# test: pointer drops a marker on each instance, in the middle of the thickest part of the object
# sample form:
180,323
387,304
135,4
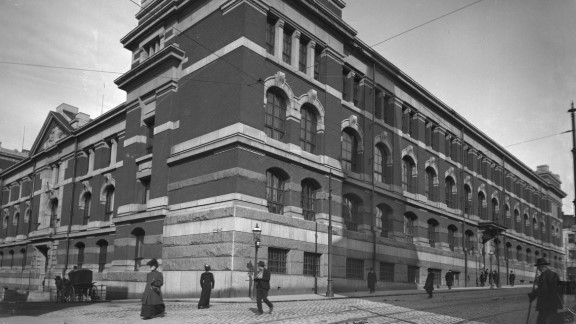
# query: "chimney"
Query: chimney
67,111
80,120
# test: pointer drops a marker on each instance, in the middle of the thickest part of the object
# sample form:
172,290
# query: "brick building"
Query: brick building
271,113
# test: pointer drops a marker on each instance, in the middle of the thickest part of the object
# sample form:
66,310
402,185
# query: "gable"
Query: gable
53,130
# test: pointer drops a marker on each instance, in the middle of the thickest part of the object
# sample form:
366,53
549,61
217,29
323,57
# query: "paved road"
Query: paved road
456,306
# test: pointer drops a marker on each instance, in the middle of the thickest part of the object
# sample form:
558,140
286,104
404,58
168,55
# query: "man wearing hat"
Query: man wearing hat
207,284
547,293
429,284
262,280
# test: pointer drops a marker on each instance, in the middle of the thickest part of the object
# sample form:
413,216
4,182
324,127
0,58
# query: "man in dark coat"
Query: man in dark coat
207,284
449,279
372,281
512,278
547,293
262,280
429,285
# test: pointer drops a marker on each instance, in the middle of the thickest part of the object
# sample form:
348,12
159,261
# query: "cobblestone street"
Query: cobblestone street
470,306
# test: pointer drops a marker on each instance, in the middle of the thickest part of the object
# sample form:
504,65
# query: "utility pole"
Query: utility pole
571,111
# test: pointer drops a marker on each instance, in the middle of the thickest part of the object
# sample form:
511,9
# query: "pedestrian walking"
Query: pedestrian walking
511,278
152,302
372,280
207,284
429,285
262,280
482,279
449,279
547,292
496,278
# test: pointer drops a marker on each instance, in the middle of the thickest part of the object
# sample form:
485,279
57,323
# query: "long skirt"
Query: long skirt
152,310
205,298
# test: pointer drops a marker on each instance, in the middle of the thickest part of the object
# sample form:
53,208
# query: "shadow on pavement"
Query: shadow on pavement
8,309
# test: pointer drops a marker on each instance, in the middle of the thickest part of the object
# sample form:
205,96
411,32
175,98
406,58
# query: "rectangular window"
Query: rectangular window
277,260
303,57
448,148
354,269
345,90
572,255
356,92
406,127
386,272
413,274
570,238
380,103
428,134
287,51
311,264
317,57
270,36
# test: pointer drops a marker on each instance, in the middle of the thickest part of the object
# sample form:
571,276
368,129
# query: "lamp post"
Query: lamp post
256,231
329,291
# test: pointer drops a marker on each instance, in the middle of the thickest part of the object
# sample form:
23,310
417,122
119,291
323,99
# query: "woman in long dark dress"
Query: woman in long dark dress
207,284
429,284
152,302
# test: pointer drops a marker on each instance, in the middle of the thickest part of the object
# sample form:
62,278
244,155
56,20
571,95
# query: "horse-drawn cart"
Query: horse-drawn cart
79,287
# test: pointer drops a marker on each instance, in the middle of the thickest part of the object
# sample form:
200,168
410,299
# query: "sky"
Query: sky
506,66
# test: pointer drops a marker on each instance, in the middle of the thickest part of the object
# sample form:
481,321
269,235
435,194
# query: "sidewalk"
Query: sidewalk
306,297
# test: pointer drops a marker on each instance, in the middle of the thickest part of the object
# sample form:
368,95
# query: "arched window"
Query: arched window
86,203
27,215
308,126
467,199
79,254
528,256
138,234
308,197
408,166
449,189
519,253
351,212
54,213
384,213
409,220
518,221
102,254
275,115
109,203
482,205
535,227
432,232
452,241
526,224
508,251
495,210
23,254
508,216
381,173
1,259
275,191
430,183
468,240
5,223
16,223
11,258
349,151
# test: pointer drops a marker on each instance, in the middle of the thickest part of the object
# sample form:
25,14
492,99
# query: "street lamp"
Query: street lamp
256,231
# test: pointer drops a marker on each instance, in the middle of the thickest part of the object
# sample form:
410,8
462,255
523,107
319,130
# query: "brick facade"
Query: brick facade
223,129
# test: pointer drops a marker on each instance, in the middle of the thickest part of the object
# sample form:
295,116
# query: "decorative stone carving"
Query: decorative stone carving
54,135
